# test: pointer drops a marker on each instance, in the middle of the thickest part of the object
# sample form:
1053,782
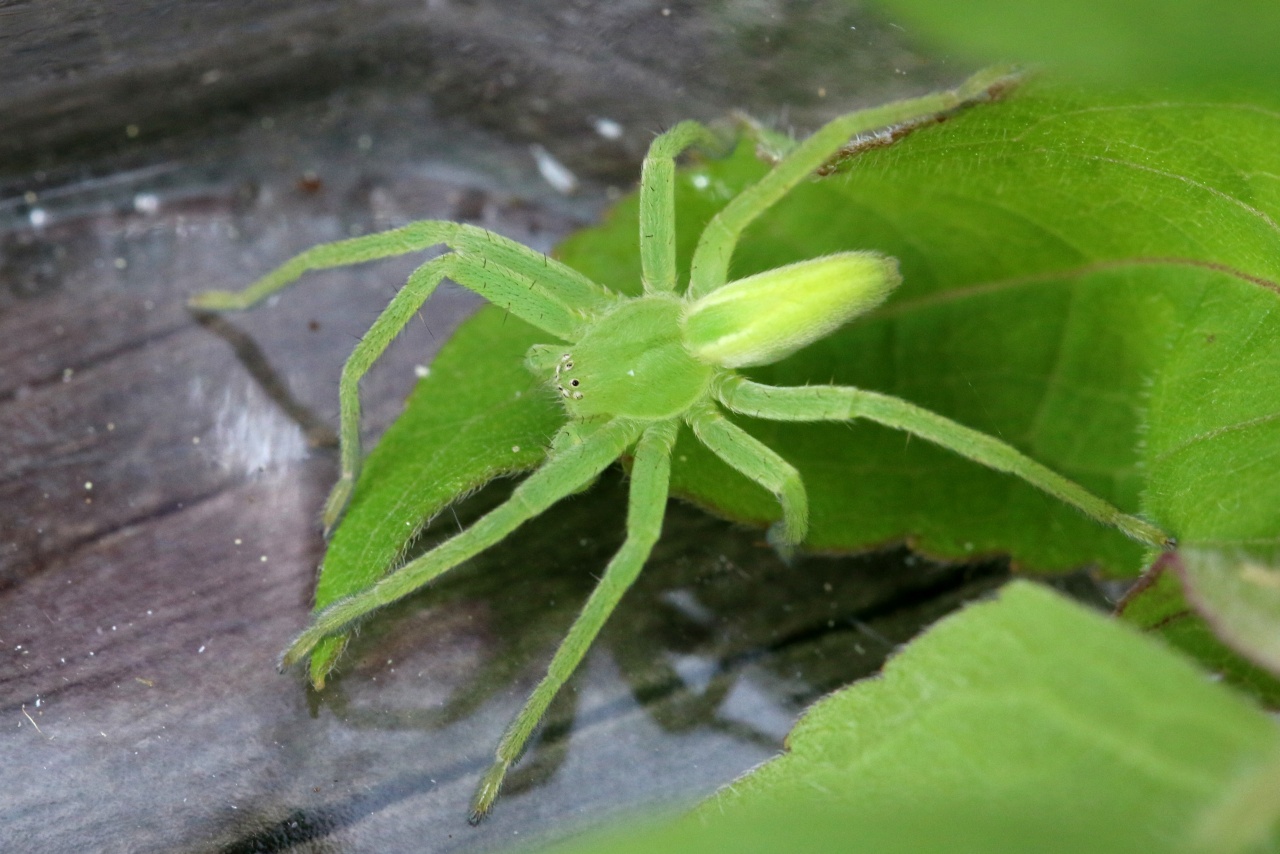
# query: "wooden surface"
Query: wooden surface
162,473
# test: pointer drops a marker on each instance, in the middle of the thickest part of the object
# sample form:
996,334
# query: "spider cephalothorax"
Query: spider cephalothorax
631,370
630,362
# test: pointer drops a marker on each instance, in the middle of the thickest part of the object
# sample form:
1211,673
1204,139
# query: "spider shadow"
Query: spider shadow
714,607
248,352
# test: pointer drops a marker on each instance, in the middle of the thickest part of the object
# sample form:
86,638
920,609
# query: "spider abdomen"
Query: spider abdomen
632,363
767,317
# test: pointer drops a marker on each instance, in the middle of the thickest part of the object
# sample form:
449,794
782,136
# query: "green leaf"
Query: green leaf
1093,279
1158,42
1027,723
1052,247
470,420
1157,606
1240,597
1212,453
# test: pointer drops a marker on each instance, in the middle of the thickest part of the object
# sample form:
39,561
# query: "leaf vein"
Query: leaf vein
1210,435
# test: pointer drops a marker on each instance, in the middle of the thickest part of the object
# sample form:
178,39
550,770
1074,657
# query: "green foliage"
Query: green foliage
1157,605
1183,43
1240,596
1035,308
992,733
1092,279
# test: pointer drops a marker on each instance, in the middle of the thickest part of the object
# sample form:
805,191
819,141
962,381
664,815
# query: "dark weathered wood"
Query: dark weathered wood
81,78
161,474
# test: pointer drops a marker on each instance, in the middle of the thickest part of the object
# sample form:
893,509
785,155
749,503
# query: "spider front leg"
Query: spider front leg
562,474
650,477
422,282
556,281
658,205
528,284
842,403
497,284
710,266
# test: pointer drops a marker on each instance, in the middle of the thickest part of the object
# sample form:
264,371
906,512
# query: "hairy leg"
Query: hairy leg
757,461
657,203
838,403
560,283
650,476
495,283
562,474
715,247
422,282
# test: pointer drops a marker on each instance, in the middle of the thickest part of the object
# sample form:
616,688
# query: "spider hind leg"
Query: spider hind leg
650,477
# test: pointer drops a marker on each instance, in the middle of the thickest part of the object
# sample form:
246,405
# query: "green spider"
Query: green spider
630,370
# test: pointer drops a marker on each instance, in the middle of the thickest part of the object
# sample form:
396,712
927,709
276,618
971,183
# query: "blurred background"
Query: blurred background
161,475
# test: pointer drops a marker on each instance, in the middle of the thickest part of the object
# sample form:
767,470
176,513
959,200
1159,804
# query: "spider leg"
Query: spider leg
491,281
715,247
563,473
758,462
658,206
559,282
650,476
842,403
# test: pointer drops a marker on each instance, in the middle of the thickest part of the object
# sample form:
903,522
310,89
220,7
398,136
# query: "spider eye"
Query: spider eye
573,383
